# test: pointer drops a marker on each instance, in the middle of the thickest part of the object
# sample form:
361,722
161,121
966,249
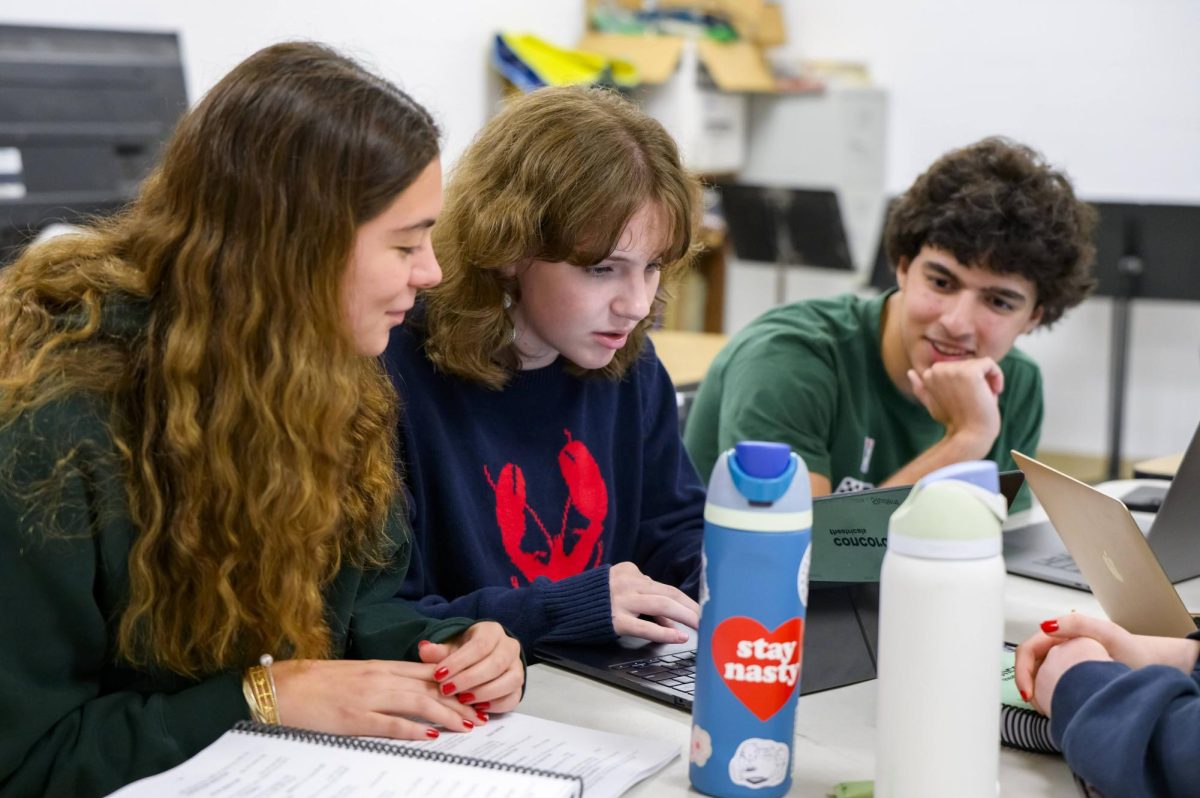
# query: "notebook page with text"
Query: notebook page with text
286,763
608,763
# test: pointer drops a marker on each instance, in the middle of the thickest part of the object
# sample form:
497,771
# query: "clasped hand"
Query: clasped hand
455,685
1071,639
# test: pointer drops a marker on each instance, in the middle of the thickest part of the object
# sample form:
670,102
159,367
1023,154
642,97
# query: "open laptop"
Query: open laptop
840,640
841,626
1173,533
1130,572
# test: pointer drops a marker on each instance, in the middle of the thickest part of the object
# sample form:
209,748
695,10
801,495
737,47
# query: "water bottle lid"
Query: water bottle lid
953,513
762,471
982,473
762,459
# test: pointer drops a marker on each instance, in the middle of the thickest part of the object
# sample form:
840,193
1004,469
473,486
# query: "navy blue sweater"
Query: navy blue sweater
1130,733
523,497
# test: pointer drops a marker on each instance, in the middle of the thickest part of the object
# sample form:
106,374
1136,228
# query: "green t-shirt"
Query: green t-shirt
811,375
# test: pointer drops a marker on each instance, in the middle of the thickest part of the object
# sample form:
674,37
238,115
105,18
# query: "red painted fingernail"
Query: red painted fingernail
466,698
1049,626
441,673
1024,696
447,688
483,705
424,643
468,724
483,717
432,734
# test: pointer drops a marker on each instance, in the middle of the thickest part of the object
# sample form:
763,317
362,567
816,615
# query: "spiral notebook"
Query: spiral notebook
512,756
257,761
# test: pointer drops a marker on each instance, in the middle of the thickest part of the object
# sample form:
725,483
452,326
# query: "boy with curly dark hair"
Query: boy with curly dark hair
988,244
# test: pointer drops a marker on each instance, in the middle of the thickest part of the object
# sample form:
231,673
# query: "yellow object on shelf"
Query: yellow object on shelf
557,66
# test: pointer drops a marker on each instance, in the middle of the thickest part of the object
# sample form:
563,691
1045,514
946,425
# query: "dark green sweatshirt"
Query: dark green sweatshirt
73,721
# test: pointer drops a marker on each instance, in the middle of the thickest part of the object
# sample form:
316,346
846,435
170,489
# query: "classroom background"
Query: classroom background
1109,90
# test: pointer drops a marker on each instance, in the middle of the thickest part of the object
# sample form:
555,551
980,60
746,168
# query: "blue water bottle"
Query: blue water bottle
753,592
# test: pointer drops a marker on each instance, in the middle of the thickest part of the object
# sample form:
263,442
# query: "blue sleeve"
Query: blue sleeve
671,527
577,608
1130,733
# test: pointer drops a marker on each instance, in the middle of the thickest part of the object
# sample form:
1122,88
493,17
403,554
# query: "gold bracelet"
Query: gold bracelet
258,686
251,704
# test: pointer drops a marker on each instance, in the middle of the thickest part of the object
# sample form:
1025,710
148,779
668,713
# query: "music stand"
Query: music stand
883,276
1143,251
787,227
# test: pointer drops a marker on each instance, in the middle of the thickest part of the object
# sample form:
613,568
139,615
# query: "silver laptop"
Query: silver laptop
840,628
1172,534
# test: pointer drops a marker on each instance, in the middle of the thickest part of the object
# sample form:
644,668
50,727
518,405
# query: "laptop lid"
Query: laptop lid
1173,535
1110,552
849,533
1036,550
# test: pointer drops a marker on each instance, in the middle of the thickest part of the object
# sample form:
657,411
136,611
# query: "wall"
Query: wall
1108,90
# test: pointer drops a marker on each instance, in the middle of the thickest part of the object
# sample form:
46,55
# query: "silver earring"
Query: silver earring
506,301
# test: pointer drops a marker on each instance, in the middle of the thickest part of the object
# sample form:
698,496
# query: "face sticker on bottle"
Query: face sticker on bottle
802,575
759,763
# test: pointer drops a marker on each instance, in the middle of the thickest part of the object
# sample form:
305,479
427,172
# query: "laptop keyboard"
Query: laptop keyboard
670,670
1061,562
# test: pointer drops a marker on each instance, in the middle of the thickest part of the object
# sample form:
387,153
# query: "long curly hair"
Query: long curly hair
998,204
555,176
256,446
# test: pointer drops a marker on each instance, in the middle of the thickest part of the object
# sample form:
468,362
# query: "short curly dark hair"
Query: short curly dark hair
998,204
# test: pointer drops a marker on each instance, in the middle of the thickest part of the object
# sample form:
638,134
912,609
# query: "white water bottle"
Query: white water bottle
941,628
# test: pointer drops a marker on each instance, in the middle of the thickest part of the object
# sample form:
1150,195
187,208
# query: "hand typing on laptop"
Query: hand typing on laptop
635,594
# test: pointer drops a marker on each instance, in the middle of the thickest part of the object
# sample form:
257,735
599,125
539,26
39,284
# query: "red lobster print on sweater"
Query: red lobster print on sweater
522,498
569,550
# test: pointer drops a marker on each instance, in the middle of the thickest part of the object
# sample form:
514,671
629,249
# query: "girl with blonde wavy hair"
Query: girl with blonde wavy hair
552,492
196,446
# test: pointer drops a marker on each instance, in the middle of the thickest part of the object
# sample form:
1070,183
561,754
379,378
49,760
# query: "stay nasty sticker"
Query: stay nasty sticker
759,667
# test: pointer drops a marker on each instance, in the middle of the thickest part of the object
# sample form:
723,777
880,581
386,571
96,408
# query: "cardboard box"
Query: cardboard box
757,21
703,109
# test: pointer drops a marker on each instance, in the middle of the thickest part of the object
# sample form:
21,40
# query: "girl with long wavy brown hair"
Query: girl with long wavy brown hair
552,492
196,446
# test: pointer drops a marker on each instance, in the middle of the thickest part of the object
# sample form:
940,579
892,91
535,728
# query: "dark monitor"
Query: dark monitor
1164,238
786,226
82,116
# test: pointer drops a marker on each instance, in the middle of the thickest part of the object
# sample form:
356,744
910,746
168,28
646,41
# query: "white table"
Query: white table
835,730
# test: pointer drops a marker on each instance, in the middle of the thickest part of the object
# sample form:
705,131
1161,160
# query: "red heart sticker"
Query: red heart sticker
761,668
